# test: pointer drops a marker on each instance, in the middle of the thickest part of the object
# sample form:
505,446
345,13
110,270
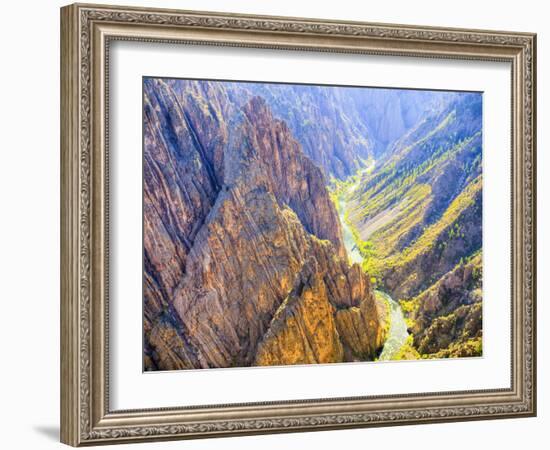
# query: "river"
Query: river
397,334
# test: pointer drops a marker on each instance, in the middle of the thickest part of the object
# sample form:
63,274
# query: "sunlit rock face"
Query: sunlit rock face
321,321
448,315
236,218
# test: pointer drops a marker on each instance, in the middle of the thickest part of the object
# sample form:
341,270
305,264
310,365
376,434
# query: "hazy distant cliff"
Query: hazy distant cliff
339,128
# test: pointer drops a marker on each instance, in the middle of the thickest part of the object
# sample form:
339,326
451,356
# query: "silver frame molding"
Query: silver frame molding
86,33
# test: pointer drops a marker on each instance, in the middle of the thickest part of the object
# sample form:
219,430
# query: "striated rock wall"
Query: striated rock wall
338,127
321,321
235,216
323,119
457,235
182,177
289,174
303,330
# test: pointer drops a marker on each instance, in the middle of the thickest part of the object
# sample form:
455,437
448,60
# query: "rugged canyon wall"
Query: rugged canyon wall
422,208
447,317
241,239
324,121
330,315
456,235
389,114
420,213
183,172
341,128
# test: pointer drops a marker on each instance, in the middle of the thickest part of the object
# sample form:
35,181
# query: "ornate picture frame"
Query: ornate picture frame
87,32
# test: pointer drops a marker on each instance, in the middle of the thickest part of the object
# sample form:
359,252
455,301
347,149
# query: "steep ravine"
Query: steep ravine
418,220
397,333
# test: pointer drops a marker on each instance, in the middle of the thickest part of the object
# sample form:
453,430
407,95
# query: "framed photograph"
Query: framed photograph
275,224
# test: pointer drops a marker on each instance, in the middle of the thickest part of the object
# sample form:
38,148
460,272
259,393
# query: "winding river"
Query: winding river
397,334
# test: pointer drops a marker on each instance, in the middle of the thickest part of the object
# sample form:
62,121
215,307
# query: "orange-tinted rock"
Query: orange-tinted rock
234,210
303,330
312,326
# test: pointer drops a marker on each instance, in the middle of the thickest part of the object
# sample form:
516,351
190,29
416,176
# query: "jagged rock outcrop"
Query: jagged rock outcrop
182,176
341,127
321,321
363,329
323,120
303,330
289,174
234,210
447,317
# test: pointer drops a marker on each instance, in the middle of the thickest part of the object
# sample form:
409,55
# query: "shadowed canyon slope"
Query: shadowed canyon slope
447,316
239,230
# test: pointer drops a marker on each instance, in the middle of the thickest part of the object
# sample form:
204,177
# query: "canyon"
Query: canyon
295,224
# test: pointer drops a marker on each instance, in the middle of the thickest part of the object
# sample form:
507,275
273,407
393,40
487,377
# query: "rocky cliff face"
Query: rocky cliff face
289,174
240,235
447,317
183,172
330,315
322,119
339,128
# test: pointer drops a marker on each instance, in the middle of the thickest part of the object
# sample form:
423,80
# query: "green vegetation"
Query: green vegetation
451,325
407,351
413,221
431,234
367,249
409,306
468,348
335,198
406,217
392,182
381,252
